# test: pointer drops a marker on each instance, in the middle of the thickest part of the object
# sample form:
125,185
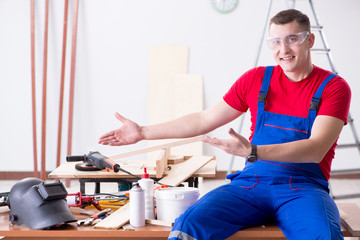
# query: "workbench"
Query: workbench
152,232
67,171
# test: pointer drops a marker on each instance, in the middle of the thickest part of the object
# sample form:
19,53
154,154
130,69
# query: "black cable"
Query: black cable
123,170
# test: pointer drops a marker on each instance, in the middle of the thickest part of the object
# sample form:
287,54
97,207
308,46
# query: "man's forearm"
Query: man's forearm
324,133
183,127
302,151
193,124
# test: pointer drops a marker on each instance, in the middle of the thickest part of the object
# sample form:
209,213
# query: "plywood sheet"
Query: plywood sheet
188,98
165,62
172,91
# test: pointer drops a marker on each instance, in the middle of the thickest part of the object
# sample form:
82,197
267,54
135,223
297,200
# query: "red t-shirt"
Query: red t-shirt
292,98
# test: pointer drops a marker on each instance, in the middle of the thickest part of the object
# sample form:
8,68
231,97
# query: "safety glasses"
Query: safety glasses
291,40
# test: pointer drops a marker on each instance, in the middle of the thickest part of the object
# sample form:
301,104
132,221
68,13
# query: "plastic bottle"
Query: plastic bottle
137,206
147,184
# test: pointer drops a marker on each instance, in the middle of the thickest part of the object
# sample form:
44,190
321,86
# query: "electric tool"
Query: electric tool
95,161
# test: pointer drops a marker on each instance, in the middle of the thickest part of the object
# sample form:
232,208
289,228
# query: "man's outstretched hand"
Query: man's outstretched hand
236,145
128,133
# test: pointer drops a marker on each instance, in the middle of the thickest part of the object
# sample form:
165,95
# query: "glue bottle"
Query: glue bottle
147,184
137,206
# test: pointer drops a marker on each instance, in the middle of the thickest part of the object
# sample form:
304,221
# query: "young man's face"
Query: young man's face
294,59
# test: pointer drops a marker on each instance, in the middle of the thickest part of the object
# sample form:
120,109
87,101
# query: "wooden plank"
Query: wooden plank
182,171
350,217
156,147
116,220
208,171
188,98
165,62
173,159
169,79
158,222
161,162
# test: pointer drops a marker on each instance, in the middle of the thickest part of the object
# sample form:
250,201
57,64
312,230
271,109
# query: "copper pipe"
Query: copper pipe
61,101
33,88
43,124
72,74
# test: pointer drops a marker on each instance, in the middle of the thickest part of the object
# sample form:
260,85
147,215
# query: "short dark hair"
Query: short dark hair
290,15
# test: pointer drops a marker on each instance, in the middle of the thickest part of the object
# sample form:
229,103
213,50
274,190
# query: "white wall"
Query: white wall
112,65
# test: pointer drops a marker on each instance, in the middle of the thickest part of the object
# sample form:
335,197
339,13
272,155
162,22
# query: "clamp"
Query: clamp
83,201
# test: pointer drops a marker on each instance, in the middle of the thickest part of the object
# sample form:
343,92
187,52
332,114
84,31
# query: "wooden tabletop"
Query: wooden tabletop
72,231
150,232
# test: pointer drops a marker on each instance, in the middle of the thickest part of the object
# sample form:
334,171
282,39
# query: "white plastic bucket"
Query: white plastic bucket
172,202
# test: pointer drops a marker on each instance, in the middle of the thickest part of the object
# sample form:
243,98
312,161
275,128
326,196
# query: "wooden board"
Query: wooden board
188,98
158,146
209,170
161,162
173,159
172,91
182,171
117,219
350,217
165,62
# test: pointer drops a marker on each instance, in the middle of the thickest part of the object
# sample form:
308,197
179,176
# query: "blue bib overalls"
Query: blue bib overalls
294,196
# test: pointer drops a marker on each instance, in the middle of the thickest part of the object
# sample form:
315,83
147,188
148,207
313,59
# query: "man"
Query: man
297,112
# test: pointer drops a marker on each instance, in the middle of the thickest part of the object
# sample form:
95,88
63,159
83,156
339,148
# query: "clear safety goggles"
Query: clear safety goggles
291,40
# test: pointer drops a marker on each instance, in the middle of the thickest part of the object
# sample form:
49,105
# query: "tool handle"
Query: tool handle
101,214
76,158
100,161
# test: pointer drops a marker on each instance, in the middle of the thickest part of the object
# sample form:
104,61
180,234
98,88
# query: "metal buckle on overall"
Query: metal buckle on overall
314,103
262,96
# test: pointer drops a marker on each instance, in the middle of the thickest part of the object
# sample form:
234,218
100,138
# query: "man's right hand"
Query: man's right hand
128,133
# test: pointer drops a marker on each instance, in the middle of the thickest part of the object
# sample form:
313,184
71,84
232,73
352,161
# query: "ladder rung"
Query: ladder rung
345,172
318,50
317,28
348,145
346,196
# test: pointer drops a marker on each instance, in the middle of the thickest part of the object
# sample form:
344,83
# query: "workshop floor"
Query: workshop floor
339,187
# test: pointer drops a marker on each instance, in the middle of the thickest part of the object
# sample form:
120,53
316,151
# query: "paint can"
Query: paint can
172,202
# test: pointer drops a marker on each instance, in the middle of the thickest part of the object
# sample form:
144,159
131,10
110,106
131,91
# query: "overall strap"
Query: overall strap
314,106
265,86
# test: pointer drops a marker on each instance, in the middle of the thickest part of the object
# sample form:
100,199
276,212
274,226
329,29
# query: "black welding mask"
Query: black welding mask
39,205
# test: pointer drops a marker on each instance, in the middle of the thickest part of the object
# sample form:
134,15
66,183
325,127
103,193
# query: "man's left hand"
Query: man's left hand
236,145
